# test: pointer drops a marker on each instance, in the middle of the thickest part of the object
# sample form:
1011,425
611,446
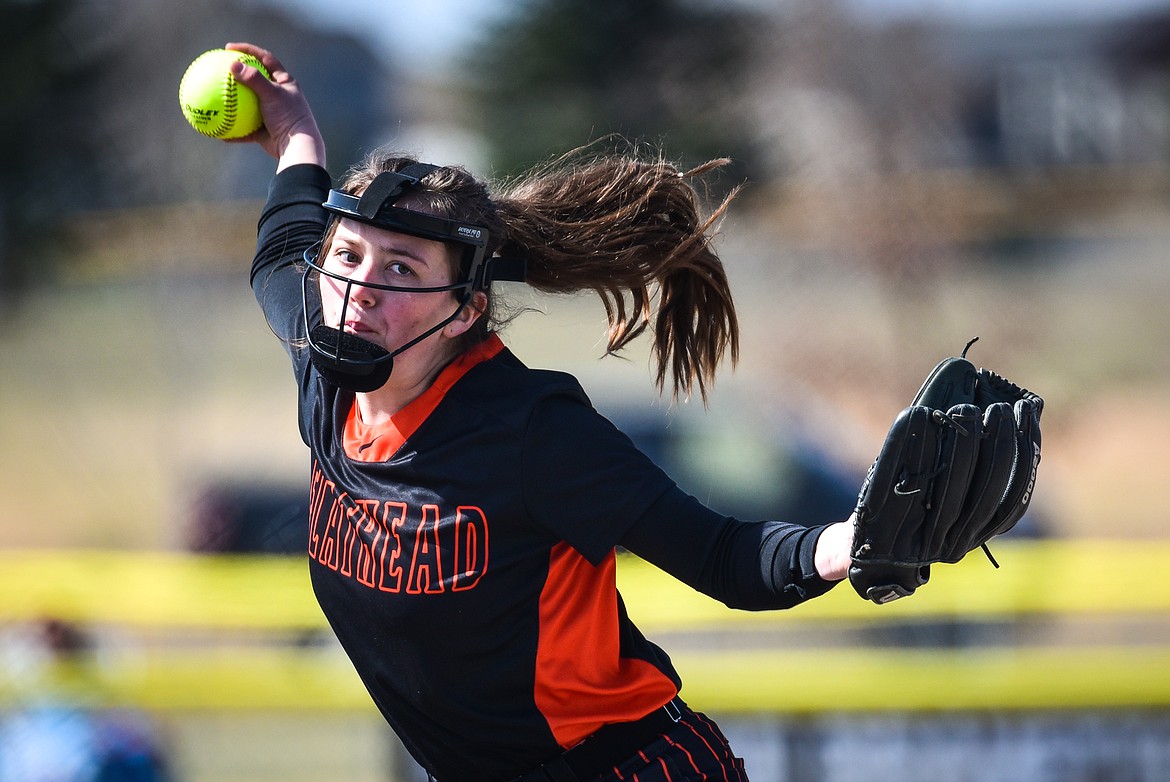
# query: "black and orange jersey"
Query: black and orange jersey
465,552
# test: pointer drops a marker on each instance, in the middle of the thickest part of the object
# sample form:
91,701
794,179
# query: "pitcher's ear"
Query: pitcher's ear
471,311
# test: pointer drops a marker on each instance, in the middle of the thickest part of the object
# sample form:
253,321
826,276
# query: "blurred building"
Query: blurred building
1064,93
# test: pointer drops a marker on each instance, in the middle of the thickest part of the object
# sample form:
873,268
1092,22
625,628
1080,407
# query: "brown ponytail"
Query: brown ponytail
630,230
627,228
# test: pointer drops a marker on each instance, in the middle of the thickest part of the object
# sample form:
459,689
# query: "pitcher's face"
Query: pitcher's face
365,254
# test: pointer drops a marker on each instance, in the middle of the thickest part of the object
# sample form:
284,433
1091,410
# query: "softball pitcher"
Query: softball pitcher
465,509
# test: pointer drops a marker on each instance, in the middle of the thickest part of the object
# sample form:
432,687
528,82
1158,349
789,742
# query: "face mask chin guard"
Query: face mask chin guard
359,365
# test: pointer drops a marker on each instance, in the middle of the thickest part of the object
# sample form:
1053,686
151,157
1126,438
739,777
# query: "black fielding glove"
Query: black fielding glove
957,468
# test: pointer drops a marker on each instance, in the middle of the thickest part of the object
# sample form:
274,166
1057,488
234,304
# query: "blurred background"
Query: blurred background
916,174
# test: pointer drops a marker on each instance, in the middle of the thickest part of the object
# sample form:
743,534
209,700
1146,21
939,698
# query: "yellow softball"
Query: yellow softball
214,102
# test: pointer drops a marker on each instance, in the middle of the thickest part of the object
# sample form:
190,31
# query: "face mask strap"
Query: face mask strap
376,207
389,186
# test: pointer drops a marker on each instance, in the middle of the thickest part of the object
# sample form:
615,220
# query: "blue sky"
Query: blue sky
1010,10
425,32
420,32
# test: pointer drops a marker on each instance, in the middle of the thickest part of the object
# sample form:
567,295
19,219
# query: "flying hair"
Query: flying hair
630,228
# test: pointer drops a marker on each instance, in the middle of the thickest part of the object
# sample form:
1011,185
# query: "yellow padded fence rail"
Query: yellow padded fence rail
231,597
157,589
175,590
778,681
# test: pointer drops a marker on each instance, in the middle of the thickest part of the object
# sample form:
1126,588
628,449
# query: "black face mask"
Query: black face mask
356,364
346,360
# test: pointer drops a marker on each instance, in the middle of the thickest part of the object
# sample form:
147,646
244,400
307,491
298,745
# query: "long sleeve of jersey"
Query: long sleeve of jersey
748,565
292,221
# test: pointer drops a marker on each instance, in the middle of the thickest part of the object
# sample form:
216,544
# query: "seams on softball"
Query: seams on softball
213,102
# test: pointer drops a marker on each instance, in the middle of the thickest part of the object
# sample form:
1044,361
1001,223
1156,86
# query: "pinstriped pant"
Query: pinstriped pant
695,749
